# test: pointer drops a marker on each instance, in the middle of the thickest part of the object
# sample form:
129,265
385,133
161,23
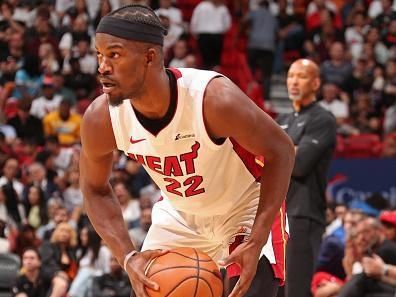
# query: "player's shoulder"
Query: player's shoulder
97,109
97,115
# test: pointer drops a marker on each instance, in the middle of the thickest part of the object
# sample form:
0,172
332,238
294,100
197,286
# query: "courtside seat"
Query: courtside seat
362,146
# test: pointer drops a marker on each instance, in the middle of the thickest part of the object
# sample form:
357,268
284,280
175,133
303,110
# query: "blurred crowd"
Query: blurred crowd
48,78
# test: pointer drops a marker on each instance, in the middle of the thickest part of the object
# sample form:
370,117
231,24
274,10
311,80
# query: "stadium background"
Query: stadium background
47,80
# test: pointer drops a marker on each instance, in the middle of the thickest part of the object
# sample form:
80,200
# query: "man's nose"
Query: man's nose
104,66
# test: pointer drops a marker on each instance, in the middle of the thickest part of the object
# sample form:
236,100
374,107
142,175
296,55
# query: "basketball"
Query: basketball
185,272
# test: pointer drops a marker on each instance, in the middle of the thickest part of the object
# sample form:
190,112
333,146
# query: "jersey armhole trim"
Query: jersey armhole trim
116,128
207,138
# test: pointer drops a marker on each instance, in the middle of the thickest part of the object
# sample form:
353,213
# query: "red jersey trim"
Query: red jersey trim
247,158
176,72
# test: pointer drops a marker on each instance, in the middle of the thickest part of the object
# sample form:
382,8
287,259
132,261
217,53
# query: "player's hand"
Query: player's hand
246,255
136,267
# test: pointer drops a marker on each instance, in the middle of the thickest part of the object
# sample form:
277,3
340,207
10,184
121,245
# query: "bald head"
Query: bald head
303,81
310,66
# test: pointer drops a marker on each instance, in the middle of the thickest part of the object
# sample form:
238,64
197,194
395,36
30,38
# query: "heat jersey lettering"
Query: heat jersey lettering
170,165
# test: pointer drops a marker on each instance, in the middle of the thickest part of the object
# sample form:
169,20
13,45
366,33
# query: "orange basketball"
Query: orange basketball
185,272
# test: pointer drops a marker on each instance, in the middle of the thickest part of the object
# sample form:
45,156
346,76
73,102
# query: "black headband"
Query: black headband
131,31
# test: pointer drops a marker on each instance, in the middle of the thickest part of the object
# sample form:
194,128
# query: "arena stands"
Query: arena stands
47,60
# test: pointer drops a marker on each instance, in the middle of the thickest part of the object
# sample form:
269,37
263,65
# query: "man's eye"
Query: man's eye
115,55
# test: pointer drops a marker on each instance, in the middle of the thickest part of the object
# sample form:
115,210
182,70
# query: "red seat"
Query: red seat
362,146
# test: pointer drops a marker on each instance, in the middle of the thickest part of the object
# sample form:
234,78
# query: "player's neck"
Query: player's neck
155,103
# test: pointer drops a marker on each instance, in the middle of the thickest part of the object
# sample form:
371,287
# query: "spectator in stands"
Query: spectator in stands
354,35
385,17
104,8
364,117
174,13
137,177
380,50
72,195
390,119
93,260
388,221
25,237
115,283
10,173
4,242
58,81
63,123
25,124
389,96
62,155
69,40
28,80
82,84
173,35
262,43
36,207
8,130
37,175
79,10
333,103
59,262
290,37
129,205
10,207
42,32
88,61
139,233
389,146
337,69
180,51
209,22
47,103
372,247
49,61
329,273
16,48
31,282
57,213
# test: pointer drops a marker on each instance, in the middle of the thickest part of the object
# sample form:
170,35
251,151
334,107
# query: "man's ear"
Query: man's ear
151,55
316,83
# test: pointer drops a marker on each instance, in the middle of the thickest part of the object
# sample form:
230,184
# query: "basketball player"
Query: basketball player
187,128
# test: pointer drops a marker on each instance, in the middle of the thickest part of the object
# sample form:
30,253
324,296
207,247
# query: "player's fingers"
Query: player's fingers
236,292
148,283
227,261
157,253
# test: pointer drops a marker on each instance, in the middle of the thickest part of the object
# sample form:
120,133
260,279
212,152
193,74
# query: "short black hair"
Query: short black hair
138,14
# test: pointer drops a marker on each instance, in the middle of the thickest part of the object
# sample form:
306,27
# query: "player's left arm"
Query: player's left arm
228,112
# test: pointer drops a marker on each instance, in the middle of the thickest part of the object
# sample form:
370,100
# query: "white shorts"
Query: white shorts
215,235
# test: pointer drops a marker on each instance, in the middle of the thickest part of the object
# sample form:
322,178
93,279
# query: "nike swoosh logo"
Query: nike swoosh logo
134,141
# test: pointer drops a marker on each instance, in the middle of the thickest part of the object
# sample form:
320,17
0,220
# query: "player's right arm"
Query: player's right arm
101,205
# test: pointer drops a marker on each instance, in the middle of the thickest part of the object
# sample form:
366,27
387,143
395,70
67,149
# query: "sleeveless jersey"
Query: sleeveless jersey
196,175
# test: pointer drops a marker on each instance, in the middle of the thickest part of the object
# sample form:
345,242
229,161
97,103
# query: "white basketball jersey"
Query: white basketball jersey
196,175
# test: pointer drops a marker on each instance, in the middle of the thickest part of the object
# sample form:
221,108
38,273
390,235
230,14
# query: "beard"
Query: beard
295,97
115,100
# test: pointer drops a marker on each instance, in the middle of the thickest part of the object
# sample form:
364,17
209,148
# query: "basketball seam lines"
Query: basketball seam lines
198,267
207,260
187,278
194,267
